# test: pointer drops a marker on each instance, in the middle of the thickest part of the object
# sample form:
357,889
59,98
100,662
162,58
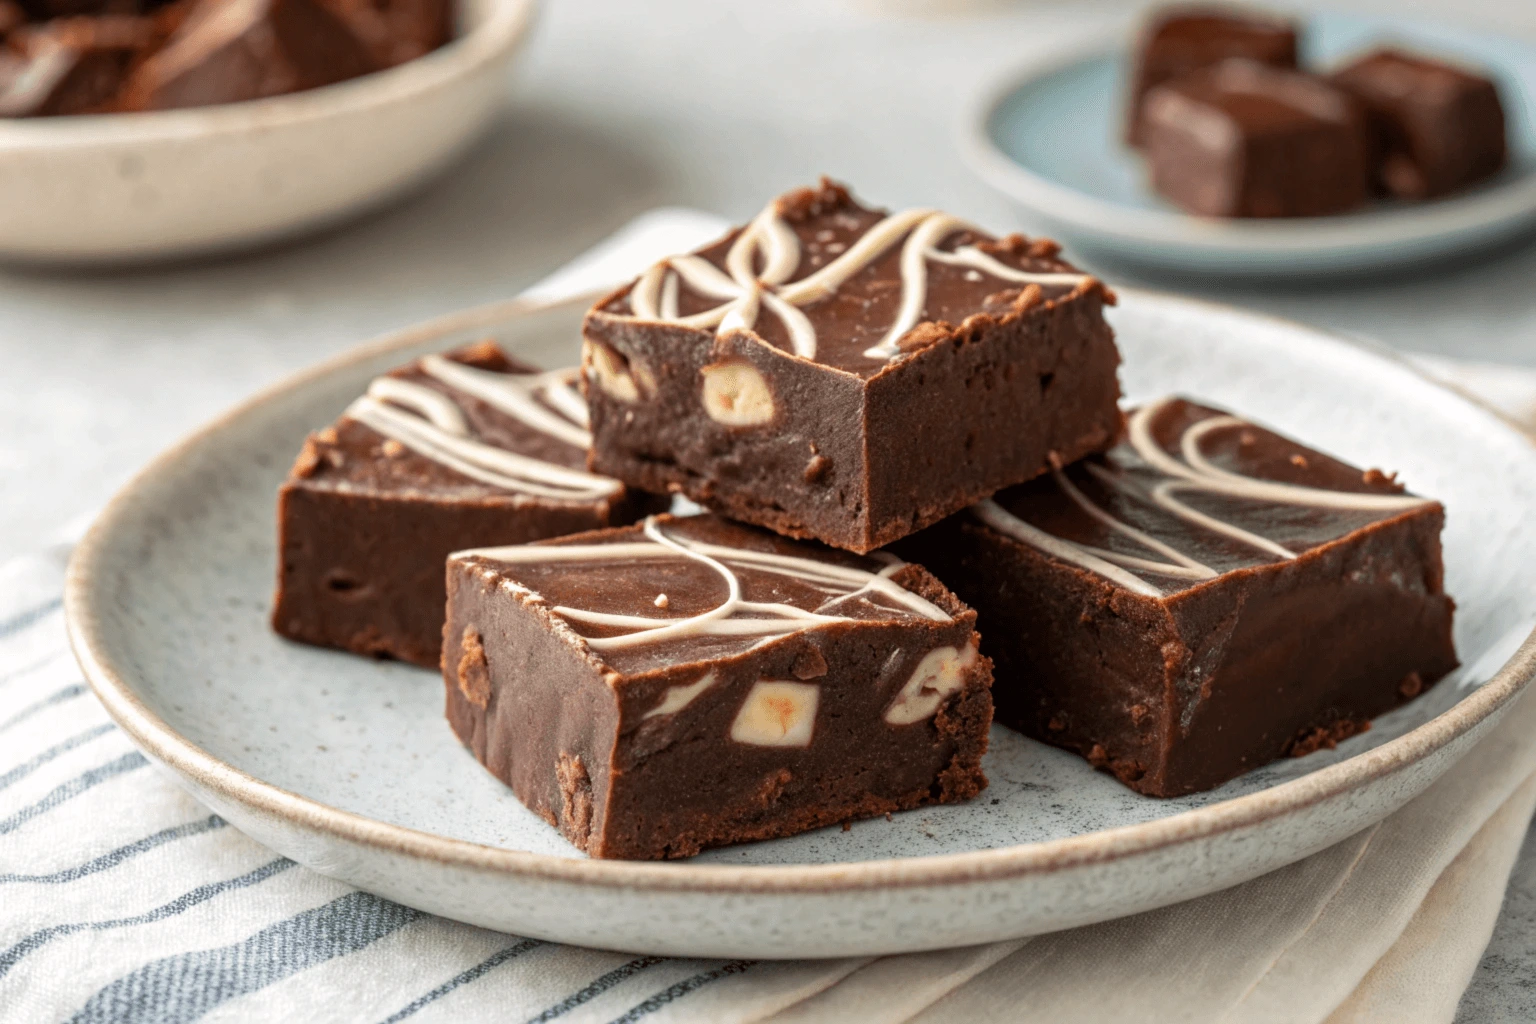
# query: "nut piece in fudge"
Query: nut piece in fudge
1437,128
839,373
685,683
1179,40
448,452
1242,139
1203,599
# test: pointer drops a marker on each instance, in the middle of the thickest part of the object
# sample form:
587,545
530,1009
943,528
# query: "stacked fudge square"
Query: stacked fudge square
903,429
1232,125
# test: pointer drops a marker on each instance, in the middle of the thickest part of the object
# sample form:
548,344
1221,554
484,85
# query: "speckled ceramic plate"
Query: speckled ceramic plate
1049,139
347,765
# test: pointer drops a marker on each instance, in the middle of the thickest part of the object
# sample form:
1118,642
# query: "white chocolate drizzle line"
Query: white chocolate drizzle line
512,394
745,293
724,619
433,426
1195,473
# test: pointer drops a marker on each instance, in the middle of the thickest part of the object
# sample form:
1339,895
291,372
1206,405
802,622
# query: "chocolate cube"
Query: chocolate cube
1179,40
1242,139
655,690
1437,128
836,372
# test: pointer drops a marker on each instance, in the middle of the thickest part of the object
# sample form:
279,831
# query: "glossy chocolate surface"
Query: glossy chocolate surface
352,456
827,220
668,585
1119,483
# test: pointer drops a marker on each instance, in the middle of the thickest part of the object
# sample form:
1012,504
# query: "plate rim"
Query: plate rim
162,742
1502,212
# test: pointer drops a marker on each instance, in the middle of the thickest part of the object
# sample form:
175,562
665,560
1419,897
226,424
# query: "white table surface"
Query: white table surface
619,107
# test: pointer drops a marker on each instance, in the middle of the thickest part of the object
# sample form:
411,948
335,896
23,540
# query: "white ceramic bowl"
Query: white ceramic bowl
118,187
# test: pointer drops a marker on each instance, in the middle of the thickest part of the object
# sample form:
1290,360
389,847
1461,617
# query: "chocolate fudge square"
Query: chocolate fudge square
1203,599
835,372
1179,40
1437,128
685,683
1245,140
445,453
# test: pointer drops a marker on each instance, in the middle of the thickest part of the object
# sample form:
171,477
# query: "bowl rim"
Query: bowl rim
494,37
1506,206
157,738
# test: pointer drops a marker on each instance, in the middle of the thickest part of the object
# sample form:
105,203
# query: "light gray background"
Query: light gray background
618,107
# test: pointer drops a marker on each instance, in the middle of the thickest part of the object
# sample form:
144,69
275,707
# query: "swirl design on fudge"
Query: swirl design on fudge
1195,473
433,426
745,293
735,616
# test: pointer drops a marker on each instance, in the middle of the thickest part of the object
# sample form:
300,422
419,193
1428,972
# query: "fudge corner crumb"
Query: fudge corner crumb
480,353
474,672
1376,478
802,204
575,800
308,462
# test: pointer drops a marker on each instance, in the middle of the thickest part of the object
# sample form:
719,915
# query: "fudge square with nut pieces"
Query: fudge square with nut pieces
1437,128
1203,599
445,453
835,372
691,682
1242,139
1179,40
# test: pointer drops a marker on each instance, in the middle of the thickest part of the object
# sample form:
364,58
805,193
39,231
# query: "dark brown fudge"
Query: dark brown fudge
836,372
71,65
686,683
109,56
446,453
1437,128
228,51
395,31
1242,139
1203,599
1179,40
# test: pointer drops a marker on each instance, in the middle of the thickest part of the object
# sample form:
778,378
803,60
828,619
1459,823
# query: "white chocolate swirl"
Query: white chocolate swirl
1194,473
734,616
745,294
433,426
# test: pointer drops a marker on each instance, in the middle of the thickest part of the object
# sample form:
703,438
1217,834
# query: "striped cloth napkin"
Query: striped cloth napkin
123,900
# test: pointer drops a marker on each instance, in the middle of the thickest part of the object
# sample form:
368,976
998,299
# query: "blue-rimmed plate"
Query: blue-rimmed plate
1050,139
